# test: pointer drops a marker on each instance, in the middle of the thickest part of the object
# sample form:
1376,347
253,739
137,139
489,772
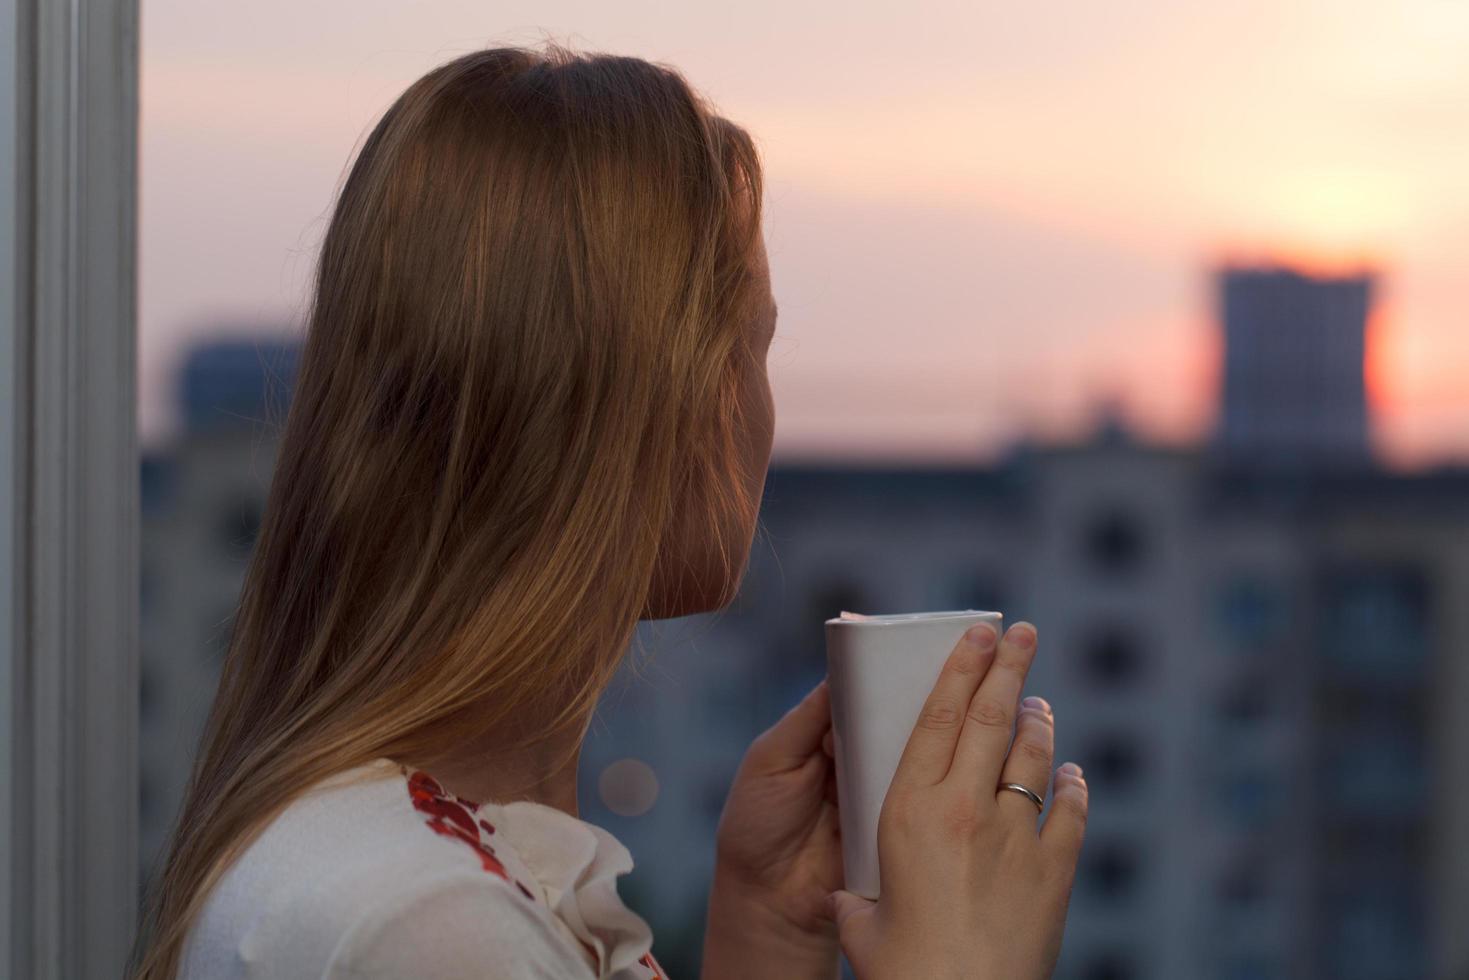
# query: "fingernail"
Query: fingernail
1071,769
1022,635
981,635
1035,702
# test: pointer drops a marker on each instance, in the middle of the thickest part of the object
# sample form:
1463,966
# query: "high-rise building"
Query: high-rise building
1294,350
230,383
202,499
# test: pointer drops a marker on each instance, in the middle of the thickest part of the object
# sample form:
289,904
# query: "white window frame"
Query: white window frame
68,487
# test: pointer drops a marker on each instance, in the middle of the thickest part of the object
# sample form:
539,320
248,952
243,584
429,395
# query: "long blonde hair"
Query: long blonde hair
522,366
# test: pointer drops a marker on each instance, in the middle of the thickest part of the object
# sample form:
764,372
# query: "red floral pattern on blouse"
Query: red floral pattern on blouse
458,818
453,817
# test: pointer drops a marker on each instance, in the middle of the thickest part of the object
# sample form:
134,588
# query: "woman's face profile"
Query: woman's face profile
695,548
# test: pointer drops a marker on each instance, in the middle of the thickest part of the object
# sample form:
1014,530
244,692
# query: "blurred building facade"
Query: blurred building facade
1295,350
1256,667
202,500
1256,671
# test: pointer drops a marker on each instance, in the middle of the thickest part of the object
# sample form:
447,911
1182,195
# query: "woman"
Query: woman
533,409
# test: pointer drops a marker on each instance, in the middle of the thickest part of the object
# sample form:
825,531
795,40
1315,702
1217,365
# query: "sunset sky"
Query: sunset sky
983,219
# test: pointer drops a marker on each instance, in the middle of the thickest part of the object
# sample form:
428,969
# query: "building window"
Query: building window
1246,702
1113,542
1110,871
1113,965
1113,762
1251,799
1377,770
1375,925
1242,887
1375,625
1111,657
1252,613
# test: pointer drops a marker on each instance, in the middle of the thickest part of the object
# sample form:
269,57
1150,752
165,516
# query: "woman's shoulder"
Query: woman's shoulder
381,863
457,926
361,835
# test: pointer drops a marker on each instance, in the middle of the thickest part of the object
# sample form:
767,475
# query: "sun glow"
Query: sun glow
1380,366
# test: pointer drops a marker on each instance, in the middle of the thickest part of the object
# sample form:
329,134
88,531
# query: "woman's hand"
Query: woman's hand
779,856
970,887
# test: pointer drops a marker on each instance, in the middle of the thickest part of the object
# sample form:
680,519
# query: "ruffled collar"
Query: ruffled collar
575,863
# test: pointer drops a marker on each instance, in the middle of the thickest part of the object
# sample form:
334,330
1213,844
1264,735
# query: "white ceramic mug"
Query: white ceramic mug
881,670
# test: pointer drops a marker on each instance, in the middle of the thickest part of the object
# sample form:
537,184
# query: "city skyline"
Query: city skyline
970,244
1298,381
1264,650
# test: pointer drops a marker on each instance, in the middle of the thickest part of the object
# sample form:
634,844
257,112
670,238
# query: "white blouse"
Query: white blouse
380,873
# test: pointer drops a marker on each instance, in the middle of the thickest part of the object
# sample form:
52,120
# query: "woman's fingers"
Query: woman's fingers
930,748
797,735
990,717
1066,821
852,915
1029,761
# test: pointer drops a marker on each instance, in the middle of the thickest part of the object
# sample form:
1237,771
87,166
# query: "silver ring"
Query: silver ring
1016,787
